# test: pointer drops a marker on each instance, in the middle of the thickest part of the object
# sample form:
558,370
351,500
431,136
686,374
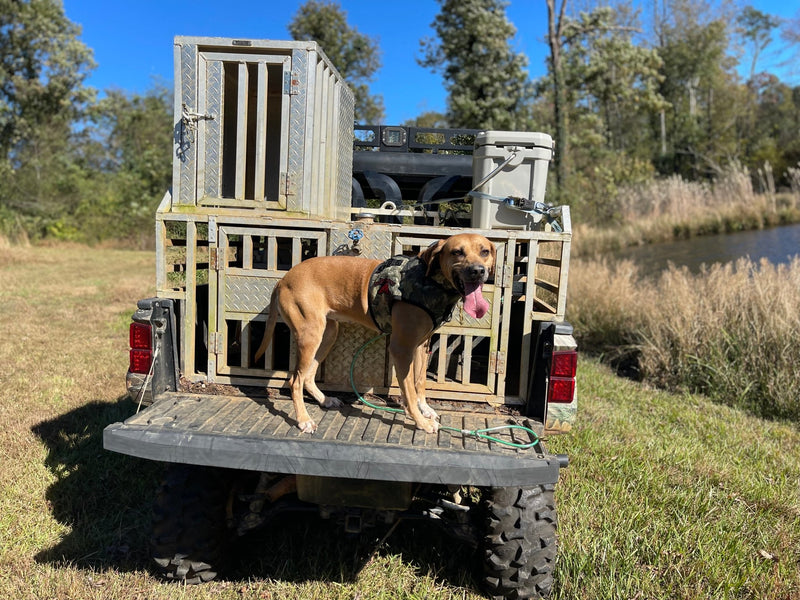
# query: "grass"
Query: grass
667,495
731,332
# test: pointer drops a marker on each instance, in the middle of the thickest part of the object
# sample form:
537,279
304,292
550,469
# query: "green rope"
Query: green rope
478,433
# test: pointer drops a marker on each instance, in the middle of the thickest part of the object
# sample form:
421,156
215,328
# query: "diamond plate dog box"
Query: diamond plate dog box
260,125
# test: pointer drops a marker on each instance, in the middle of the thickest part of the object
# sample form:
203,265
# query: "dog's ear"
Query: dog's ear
494,259
430,253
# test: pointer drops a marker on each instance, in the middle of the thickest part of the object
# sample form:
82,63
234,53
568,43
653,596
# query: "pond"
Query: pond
777,244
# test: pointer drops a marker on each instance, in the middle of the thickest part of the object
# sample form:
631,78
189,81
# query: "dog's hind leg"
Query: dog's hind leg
328,339
315,337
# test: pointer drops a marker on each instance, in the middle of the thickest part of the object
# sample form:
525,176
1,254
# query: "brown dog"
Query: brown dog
408,297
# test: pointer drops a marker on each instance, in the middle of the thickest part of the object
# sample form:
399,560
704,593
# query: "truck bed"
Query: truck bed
353,441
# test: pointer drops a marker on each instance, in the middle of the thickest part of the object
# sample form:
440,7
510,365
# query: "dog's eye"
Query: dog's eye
457,252
485,252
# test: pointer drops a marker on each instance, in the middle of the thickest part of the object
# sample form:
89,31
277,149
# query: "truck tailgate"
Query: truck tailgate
353,441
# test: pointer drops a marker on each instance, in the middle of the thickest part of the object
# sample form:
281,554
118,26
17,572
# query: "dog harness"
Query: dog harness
404,278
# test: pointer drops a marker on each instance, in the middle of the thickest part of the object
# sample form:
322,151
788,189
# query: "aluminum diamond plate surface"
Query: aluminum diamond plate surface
188,146
247,294
215,79
297,127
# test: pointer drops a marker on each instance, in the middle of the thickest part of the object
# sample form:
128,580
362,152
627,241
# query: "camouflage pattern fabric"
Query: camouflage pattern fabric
404,278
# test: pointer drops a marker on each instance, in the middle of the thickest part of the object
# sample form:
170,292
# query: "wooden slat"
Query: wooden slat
441,367
466,361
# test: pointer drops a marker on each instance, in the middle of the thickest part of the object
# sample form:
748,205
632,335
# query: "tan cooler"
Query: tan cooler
519,162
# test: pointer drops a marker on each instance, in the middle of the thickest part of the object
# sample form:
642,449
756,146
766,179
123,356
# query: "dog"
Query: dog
407,297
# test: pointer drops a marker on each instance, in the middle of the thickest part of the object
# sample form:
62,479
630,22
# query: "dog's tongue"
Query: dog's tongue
474,302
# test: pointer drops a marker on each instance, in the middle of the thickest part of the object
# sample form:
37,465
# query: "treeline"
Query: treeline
630,101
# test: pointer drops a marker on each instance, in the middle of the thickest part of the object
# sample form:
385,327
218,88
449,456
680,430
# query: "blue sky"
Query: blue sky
132,40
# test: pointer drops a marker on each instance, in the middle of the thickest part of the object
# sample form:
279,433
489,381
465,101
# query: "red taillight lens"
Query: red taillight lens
140,336
141,355
565,364
562,377
140,361
561,390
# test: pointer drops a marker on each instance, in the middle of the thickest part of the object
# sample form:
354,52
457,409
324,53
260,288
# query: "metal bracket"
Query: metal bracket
215,342
291,83
497,363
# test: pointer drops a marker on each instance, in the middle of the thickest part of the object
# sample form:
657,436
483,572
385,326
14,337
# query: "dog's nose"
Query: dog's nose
476,272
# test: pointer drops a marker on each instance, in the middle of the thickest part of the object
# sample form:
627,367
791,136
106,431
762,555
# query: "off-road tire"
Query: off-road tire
189,532
519,545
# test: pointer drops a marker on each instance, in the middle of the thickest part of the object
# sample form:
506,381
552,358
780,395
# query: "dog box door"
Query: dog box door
249,261
241,125
466,355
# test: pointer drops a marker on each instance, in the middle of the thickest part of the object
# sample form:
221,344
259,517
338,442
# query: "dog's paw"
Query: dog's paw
331,402
307,426
429,426
427,411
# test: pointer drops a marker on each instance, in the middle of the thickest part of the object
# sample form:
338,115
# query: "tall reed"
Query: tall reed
658,210
731,332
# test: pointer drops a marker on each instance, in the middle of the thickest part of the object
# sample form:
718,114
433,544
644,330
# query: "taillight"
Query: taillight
563,368
141,355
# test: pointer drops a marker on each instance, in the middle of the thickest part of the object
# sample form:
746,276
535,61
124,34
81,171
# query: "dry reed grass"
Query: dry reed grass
731,332
662,209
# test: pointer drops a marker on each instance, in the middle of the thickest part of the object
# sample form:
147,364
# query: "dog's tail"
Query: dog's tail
272,318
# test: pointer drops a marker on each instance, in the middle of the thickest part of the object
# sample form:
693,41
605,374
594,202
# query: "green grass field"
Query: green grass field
666,496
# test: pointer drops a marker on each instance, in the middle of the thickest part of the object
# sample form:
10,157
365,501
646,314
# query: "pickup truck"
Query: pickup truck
269,171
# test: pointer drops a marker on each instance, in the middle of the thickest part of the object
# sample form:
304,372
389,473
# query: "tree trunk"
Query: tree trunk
559,103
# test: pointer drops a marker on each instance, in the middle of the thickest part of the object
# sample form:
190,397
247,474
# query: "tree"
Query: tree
42,94
42,69
756,28
131,151
555,25
355,55
605,94
699,83
486,80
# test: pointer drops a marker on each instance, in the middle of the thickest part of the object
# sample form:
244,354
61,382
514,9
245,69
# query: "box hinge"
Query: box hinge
213,259
497,363
289,189
215,342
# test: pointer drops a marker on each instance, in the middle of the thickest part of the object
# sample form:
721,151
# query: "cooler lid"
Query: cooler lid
514,138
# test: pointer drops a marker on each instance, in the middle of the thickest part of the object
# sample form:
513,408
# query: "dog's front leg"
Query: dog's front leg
420,378
403,348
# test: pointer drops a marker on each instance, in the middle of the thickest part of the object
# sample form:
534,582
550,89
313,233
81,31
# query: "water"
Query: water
778,245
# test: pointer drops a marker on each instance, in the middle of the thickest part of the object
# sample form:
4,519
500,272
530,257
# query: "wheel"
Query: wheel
519,545
190,532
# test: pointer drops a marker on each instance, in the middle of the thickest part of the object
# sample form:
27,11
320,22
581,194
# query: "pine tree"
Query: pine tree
486,81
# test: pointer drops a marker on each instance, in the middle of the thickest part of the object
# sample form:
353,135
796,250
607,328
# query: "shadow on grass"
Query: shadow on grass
105,499
304,548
